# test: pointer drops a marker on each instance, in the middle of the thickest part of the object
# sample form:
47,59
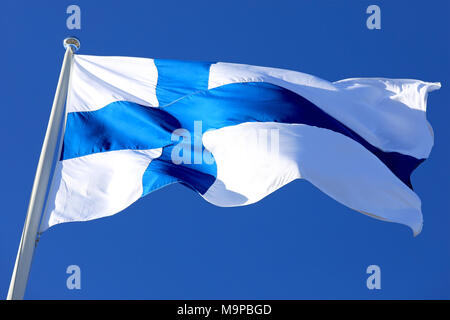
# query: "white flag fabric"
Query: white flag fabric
236,133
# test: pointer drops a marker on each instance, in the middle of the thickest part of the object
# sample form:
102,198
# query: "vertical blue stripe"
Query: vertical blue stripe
177,79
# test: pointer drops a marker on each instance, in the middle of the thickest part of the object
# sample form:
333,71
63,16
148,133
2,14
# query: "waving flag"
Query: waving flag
234,134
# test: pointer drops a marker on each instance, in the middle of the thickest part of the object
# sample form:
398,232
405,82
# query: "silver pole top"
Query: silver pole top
72,42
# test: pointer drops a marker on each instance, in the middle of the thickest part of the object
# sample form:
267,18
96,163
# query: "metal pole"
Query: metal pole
24,258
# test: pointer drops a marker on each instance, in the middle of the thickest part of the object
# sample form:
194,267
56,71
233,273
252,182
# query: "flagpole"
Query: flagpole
28,242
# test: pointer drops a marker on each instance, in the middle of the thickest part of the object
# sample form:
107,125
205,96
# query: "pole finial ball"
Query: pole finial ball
72,42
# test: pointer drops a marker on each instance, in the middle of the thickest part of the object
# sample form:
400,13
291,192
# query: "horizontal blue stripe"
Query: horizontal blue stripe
123,125
233,104
118,126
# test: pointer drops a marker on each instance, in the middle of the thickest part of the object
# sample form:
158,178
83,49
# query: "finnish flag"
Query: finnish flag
235,133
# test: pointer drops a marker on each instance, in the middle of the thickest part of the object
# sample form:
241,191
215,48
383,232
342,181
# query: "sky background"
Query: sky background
295,244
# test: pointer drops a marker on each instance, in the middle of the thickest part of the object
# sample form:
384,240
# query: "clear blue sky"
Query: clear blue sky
296,243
